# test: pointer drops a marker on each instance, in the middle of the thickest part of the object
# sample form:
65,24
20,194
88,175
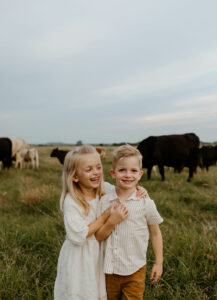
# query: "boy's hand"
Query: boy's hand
118,213
156,272
141,192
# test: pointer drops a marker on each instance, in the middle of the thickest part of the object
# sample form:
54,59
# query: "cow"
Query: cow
6,152
17,145
176,150
60,154
32,157
101,151
28,155
207,156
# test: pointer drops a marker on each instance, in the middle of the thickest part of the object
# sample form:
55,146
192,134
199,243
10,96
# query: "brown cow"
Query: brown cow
101,151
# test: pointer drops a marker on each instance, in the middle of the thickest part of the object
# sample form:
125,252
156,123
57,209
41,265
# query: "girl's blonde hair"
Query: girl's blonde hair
69,171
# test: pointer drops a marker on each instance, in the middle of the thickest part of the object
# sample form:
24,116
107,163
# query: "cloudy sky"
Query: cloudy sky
107,71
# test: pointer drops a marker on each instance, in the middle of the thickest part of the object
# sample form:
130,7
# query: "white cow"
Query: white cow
17,146
30,156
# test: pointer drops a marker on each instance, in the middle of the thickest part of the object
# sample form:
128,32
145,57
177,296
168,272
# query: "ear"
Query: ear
140,174
112,172
75,178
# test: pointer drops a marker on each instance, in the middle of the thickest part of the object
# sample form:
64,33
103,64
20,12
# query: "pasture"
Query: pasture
32,232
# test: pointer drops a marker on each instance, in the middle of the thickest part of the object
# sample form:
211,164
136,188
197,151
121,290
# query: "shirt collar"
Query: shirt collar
114,196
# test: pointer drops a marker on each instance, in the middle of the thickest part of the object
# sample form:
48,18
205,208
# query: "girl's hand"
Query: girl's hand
156,272
118,214
141,192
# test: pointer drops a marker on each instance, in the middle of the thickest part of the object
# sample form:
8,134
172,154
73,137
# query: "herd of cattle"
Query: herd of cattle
177,151
19,151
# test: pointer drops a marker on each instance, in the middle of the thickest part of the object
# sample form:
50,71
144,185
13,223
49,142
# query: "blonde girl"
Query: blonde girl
79,272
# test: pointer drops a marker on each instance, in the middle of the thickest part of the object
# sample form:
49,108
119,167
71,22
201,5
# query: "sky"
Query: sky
107,71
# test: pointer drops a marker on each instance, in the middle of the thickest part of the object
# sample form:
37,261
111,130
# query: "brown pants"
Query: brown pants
130,287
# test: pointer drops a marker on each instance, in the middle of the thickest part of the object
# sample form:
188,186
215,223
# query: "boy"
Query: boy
127,230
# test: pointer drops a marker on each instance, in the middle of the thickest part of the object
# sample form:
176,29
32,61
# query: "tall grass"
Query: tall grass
32,232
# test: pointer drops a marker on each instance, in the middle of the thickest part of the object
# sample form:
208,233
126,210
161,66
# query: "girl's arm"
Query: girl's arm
118,214
95,225
157,245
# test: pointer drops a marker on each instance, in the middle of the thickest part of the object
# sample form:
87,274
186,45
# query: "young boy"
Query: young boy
127,230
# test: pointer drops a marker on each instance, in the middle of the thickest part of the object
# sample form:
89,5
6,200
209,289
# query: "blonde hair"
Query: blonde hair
125,151
69,171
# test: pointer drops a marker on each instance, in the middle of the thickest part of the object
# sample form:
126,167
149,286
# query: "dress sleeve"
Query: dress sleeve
99,208
152,215
108,187
75,223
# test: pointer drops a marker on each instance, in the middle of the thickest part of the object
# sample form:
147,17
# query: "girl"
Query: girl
79,272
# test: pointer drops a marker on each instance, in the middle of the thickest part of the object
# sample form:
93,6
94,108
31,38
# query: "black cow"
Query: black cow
207,156
177,150
60,154
6,152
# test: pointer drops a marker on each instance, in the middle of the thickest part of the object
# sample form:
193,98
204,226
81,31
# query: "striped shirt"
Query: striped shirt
124,251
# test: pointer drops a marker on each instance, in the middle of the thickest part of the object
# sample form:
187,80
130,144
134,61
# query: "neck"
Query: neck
88,193
124,194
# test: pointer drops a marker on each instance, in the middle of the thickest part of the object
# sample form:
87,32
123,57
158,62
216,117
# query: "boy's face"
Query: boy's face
127,172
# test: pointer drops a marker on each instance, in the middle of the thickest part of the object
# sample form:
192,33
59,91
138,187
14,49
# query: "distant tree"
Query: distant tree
79,143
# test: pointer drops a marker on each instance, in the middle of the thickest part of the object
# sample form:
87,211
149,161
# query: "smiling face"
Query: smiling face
88,171
127,172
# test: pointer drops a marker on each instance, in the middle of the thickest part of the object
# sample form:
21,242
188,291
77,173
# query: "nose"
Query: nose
128,174
96,171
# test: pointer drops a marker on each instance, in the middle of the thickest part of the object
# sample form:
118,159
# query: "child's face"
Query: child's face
127,172
89,171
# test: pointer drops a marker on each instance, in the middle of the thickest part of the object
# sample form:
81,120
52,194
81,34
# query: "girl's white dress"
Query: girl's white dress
79,271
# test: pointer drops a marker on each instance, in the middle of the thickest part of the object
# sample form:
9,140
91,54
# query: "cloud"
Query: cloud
67,40
193,111
199,101
5,116
165,77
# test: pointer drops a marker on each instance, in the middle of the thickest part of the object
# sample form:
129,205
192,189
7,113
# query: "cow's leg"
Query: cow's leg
191,172
33,163
161,170
16,161
149,172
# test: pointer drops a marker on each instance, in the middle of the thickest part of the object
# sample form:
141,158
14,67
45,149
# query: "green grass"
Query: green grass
32,232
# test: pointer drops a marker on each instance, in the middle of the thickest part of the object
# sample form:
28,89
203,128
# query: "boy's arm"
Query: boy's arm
118,214
157,245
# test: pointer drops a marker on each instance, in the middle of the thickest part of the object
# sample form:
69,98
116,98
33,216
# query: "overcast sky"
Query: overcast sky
107,71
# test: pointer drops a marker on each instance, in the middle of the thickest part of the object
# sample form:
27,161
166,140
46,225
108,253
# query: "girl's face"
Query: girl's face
89,171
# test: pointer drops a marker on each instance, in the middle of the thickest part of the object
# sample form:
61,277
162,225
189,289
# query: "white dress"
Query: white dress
79,271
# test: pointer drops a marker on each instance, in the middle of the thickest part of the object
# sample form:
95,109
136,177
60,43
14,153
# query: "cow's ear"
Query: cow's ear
75,178
112,172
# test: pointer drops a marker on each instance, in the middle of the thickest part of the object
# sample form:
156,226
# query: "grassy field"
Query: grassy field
32,232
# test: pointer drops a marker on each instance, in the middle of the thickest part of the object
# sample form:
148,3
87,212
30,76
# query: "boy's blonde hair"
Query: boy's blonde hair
69,171
125,151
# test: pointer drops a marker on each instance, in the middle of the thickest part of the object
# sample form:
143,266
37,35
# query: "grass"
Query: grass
32,232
